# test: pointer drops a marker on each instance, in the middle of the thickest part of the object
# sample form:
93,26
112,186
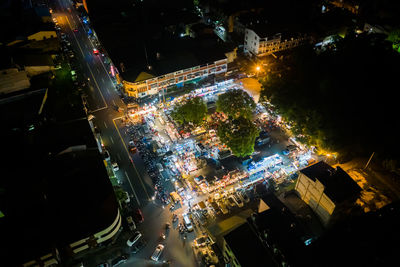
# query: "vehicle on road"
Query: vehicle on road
95,51
117,261
135,238
128,199
131,223
115,166
289,149
132,149
157,252
187,222
75,30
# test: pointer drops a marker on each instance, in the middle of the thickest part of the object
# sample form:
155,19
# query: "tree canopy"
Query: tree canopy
236,103
194,110
239,135
342,99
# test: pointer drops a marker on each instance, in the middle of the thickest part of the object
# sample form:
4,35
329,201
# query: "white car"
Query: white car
157,253
136,236
115,166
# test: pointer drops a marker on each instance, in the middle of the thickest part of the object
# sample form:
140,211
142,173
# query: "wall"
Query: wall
42,35
154,85
312,193
251,41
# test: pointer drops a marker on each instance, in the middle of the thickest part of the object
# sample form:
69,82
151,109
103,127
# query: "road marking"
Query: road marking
133,164
99,73
101,61
119,157
112,140
105,124
102,79
80,48
113,102
133,190
98,109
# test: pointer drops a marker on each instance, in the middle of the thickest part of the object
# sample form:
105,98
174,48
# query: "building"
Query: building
259,42
326,190
57,199
156,53
243,248
12,80
34,64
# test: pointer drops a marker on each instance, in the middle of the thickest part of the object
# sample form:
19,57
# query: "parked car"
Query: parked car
106,155
187,222
115,166
157,252
128,199
117,261
135,238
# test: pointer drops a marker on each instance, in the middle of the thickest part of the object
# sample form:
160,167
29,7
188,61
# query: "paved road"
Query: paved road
102,100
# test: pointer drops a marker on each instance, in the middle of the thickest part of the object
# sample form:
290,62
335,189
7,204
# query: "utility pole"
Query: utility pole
366,165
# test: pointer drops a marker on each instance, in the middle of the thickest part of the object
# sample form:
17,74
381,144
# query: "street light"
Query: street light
258,70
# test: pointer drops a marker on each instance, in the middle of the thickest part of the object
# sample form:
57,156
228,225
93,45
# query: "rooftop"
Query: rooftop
49,199
339,186
155,42
247,247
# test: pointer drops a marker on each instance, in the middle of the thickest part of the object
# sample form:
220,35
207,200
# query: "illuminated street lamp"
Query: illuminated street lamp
258,70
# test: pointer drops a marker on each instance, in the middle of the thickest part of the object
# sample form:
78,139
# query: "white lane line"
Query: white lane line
102,79
112,140
113,102
99,73
98,109
105,124
133,190
118,156
80,48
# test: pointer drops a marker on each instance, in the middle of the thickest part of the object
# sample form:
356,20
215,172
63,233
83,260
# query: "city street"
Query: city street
103,102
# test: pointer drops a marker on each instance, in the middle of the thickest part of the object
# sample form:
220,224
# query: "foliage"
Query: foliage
342,99
120,194
236,103
239,135
394,37
193,111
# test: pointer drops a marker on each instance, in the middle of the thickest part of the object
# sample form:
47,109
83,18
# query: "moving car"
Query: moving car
157,252
95,51
75,30
115,166
117,261
135,238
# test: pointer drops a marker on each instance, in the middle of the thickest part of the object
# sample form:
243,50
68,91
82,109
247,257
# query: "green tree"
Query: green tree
394,37
193,111
236,103
239,135
120,194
